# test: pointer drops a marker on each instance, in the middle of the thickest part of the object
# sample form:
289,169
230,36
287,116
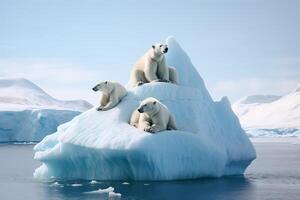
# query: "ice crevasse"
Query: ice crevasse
209,141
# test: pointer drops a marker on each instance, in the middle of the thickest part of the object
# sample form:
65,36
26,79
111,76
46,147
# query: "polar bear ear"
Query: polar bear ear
153,46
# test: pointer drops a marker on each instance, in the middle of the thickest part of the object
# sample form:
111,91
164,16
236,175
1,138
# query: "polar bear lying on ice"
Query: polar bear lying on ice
112,94
152,116
152,67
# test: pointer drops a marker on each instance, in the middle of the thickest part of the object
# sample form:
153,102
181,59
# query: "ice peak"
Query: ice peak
226,101
187,73
172,41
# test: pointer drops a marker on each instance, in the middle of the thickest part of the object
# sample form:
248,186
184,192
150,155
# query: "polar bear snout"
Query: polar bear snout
95,88
140,110
166,50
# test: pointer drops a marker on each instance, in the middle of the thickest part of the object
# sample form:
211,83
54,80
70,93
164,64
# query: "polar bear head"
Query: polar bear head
149,106
105,87
160,49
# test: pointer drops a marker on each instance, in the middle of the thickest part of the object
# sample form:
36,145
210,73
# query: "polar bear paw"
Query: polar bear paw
100,108
139,83
149,129
161,80
166,81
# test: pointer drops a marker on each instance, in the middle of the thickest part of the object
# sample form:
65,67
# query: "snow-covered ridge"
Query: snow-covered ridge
20,93
27,113
209,141
280,116
297,88
257,99
244,105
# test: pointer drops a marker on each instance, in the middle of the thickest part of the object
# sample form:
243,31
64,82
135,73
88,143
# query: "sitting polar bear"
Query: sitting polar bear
152,116
112,94
152,67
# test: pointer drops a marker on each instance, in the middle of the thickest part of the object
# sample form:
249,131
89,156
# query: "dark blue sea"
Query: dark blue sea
275,174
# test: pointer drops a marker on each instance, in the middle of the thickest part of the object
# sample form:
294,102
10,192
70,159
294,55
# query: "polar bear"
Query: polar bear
112,94
152,67
152,116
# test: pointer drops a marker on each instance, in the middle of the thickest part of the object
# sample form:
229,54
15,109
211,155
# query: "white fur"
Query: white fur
152,67
112,94
155,117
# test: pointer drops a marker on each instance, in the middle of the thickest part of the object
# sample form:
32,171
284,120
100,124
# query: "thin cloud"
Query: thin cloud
236,89
41,69
280,80
62,80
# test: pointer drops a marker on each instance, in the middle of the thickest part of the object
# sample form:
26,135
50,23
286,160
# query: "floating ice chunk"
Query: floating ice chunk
76,185
101,191
24,143
93,182
114,196
55,184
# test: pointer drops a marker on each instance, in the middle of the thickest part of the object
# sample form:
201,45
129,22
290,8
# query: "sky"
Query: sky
239,47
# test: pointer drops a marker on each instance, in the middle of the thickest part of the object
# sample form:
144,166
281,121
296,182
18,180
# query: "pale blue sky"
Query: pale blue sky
238,47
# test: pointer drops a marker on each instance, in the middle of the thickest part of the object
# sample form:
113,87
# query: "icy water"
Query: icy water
275,174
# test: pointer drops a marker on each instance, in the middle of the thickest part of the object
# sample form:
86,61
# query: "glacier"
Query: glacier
96,145
27,113
31,125
270,116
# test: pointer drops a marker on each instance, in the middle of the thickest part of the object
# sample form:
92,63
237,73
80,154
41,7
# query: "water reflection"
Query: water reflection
237,187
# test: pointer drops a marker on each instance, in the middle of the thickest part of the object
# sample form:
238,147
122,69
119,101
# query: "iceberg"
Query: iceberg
27,113
96,145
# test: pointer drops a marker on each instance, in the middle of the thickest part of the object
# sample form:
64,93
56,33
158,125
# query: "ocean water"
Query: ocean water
275,174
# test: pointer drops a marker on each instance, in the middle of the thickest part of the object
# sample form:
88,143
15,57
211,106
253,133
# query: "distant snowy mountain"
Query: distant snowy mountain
246,104
267,115
19,93
27,113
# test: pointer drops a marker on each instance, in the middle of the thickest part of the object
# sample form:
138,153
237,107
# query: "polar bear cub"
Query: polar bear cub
152,116
152,67
112,94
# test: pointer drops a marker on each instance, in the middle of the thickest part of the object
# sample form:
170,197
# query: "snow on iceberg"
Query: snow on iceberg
102,145
27,113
